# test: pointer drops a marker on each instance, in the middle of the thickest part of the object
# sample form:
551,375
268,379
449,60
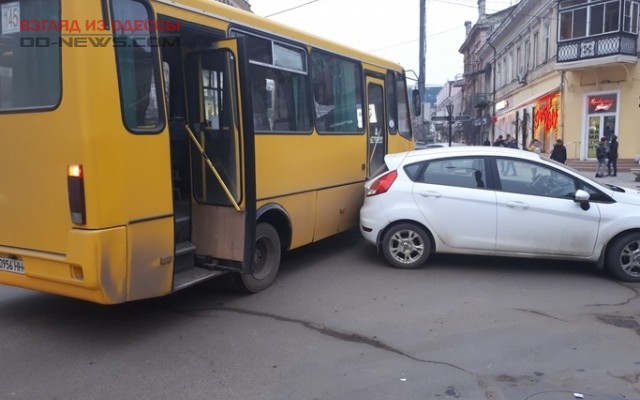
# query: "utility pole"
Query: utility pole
423,50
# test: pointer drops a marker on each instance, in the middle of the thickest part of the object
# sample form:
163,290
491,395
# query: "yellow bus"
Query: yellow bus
151,145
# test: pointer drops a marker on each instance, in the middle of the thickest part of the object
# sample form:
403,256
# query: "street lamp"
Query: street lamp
450,119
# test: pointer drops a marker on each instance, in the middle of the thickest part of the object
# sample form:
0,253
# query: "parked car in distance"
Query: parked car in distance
500,202
421,145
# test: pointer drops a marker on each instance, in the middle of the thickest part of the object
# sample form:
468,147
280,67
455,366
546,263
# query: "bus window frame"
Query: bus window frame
391,100
239,31
56,105
363,73
158,74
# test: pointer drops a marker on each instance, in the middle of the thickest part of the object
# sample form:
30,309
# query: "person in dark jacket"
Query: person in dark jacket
613,156
602,151
559,152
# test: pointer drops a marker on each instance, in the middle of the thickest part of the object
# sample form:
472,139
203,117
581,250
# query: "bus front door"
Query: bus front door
222,204
376,126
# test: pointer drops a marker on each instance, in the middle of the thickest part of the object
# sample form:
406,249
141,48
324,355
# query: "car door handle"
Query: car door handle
430,193
517,204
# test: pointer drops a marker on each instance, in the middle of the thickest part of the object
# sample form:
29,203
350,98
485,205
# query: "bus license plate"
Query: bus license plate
11,265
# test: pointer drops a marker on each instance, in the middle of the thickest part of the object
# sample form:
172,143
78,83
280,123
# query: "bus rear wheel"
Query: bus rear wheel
266,260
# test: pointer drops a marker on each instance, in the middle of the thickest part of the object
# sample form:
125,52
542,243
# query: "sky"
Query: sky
389,29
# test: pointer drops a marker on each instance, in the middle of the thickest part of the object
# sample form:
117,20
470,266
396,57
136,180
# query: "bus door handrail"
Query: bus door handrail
213,169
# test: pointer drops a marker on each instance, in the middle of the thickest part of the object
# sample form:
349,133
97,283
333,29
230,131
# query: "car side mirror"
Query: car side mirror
582,197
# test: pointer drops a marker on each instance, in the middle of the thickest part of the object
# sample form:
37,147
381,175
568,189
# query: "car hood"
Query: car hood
626,195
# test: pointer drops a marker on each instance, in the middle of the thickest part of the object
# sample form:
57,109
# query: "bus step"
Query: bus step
184,256
182,228
189,277
185,248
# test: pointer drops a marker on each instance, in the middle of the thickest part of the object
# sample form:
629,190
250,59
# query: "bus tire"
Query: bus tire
266,260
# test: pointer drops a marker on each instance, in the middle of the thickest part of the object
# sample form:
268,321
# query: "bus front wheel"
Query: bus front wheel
266,260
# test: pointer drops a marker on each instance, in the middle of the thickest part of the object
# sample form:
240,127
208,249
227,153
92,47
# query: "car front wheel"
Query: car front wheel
623,258
406,245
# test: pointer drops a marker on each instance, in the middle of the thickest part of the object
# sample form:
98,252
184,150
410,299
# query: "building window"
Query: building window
630,21
580,18
573,24
505,71
547,35
604,18
535,49
512,67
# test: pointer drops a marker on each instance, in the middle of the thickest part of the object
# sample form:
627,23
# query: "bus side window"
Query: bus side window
261,91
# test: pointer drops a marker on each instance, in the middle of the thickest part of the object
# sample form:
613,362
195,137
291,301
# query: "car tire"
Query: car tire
266,260
623,257
406,245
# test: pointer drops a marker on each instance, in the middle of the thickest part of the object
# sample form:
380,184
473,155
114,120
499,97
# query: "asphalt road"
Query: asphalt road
338,324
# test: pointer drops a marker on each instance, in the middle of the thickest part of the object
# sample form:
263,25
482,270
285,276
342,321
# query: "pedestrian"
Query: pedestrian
509,165
559,152
499,141
486,142
601,156
535,146
613,156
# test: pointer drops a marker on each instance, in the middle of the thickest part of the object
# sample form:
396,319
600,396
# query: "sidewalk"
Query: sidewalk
625,179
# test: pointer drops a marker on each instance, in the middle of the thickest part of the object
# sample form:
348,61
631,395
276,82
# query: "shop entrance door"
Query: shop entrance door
599,126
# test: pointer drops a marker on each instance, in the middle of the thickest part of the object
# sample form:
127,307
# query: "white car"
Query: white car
500,202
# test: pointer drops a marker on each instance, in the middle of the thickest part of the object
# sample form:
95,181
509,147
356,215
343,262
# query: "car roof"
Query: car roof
394,160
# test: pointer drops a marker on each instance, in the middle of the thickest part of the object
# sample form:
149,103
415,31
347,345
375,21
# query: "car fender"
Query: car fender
611,229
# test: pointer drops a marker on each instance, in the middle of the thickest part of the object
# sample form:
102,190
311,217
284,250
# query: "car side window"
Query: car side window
468,172
412,170
525,177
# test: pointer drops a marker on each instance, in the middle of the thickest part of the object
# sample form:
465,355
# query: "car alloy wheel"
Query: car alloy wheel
406,245
623,258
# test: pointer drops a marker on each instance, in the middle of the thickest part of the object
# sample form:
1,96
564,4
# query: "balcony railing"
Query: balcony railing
618,43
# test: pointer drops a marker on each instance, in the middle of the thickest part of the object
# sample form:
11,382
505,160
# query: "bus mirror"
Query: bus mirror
417,104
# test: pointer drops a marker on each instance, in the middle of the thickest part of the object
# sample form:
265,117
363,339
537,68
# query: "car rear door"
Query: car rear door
452,195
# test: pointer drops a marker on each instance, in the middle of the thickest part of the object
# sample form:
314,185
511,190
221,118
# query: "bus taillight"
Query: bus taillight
75,186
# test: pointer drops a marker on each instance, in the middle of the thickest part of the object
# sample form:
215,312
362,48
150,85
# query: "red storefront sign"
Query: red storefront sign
603,103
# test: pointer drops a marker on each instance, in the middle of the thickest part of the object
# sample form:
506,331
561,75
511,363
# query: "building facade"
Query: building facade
597,56
526,87
477,83
557,69
450,95
243,4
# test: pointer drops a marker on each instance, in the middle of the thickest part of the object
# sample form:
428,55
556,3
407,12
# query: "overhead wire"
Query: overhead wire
291,8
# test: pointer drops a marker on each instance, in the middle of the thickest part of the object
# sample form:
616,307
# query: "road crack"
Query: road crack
344,336
539,313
